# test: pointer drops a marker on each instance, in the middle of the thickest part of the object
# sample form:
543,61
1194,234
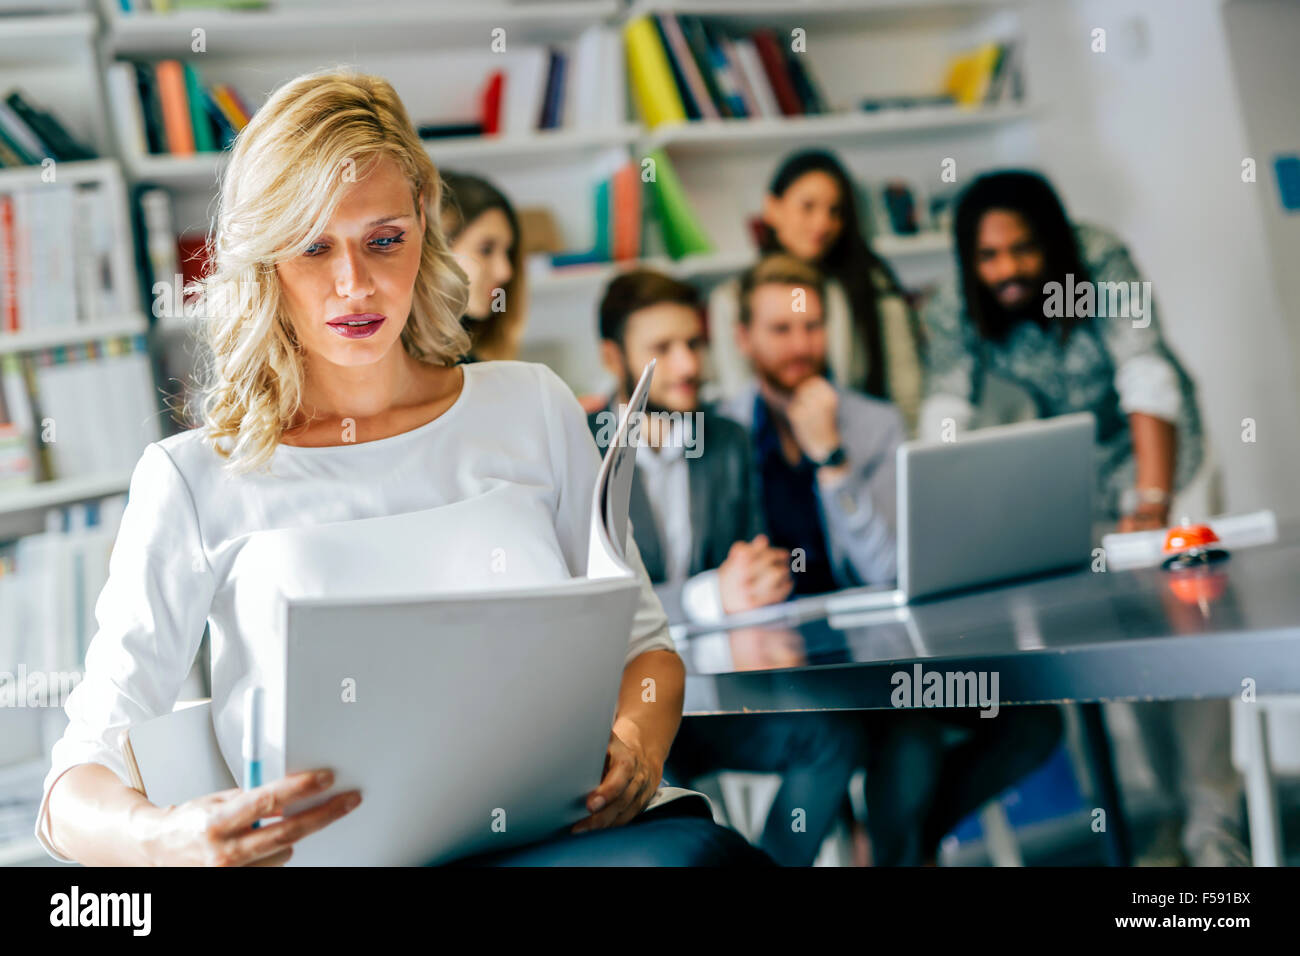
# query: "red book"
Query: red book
778,74
626,241
492,96
9,256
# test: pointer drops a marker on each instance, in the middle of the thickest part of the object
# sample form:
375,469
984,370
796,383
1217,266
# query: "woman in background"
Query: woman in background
483,230
810,212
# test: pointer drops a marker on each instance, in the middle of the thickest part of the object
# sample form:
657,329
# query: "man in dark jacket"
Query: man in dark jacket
698,524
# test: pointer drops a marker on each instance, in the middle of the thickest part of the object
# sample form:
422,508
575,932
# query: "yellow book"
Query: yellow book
651,75
969,74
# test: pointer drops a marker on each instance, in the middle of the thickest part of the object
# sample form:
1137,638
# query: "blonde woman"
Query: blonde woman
483,230
336,422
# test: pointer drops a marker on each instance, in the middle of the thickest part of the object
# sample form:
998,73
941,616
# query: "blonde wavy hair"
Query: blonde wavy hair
287,173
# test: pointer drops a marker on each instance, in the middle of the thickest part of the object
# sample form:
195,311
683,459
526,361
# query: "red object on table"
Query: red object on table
1191,544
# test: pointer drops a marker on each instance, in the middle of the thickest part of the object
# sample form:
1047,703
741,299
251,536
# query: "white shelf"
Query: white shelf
201,170
714,264
31,339
827,14
62,491
555,144
32,37
730,135
78,171
359,27
181,172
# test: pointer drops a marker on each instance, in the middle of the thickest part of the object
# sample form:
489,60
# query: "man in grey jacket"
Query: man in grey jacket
824,455
824,459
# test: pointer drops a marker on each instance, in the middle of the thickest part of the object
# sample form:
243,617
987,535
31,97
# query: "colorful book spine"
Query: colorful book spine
651,75
175,108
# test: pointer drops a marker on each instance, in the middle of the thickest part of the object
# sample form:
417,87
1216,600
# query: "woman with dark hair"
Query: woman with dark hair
484,233
1060,310
810,212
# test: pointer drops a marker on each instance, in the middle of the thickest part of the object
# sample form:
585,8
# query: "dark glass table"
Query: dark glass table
1078,637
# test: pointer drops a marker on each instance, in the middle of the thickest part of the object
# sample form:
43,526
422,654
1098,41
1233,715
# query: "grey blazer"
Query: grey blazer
860,513
724,506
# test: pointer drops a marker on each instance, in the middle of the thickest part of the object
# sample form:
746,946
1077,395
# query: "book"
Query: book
124,100
683,233
176,757
194,99
625,188
94,401
57,254
150,107
651,75
61,144
778,74
970,74
491,108
177,125
687,67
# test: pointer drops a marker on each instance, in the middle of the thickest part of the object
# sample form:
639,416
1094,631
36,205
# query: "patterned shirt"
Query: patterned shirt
1113,365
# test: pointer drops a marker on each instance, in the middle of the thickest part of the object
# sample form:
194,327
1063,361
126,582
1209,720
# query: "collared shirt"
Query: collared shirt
792,506
667,485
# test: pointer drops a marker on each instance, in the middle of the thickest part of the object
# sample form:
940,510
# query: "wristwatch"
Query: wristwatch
836,457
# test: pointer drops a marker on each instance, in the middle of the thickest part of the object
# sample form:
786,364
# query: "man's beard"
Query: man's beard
769,378
1033,309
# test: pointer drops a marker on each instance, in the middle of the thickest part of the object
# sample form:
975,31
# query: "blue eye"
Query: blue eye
309,251
386,242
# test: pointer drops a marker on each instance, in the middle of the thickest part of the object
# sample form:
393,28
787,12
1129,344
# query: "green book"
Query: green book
203,142
602,246
683,233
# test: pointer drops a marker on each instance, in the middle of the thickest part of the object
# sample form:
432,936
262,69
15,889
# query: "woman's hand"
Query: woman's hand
631,778
217,830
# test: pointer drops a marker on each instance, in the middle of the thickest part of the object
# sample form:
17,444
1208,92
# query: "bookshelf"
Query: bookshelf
51,56
723,164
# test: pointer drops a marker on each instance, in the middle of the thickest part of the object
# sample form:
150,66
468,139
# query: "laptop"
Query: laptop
1000,503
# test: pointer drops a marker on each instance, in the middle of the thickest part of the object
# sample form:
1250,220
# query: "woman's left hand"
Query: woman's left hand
631,778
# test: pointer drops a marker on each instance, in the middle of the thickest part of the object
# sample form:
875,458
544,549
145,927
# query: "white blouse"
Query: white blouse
495,492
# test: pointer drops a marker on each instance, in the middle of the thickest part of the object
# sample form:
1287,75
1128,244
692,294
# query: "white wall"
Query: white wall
1147,138
1263,36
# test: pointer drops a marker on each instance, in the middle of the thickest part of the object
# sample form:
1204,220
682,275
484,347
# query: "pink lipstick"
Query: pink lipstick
359,325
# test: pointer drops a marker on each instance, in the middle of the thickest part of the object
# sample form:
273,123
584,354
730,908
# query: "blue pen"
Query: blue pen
253,740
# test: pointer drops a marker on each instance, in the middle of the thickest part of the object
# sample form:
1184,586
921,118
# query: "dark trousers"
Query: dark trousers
816,754
678,833
921,783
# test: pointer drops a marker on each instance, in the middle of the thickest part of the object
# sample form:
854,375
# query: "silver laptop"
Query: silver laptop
999,503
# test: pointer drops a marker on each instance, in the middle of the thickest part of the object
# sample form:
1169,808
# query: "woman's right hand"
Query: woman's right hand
217,830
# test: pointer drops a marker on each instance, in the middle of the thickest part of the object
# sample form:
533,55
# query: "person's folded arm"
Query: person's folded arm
858,502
